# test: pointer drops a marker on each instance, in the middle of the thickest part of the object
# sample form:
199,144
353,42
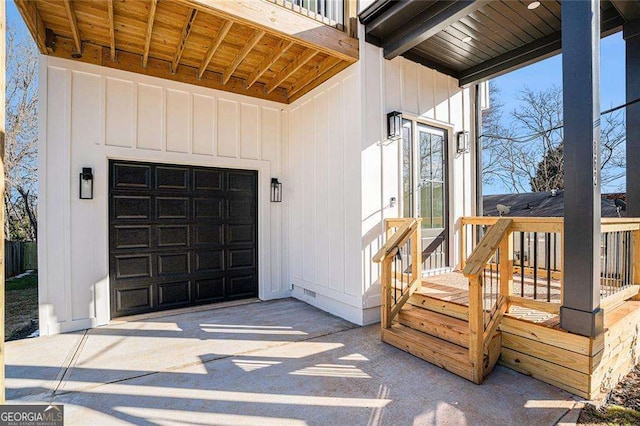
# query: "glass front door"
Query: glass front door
424,180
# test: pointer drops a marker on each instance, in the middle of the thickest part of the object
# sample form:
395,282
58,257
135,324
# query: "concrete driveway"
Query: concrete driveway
279,362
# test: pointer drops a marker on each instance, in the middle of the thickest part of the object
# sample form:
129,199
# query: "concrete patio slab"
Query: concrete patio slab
334,373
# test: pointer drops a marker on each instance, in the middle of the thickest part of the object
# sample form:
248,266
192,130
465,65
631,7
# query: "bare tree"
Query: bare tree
534,160
21,136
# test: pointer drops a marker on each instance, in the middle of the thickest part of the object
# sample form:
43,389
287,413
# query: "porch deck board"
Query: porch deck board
453,287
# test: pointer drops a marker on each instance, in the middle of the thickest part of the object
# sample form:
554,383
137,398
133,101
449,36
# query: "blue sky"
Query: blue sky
13,16
548,73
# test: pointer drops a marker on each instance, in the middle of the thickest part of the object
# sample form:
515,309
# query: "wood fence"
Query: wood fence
20,256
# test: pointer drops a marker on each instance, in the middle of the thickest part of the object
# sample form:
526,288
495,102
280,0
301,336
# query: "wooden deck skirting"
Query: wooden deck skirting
534,344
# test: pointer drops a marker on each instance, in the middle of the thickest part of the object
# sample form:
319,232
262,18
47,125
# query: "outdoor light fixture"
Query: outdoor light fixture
394,125
462,142
86,184
276,191
533,5
467,39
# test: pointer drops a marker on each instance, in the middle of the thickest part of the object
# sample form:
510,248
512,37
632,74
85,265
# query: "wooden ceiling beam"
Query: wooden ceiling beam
29,11
186,30
314,73
132,62
112,30
324,76
215,43
73,24
291,67
242,53
147,38
273,18
268,61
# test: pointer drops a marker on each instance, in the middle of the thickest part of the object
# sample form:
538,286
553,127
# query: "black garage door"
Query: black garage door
180,236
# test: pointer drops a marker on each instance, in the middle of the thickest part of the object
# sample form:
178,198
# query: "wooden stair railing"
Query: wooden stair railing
483,320
401,263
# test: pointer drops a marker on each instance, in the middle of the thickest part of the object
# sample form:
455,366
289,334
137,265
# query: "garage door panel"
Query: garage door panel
173,178
173,236
241,234
173,263
241,182
207,208
172,208
208,290
133,298
132,207
131,176
241,258
180,236
240,211
209,260
208,180
132,237
133,266
174,293
209,235
242,286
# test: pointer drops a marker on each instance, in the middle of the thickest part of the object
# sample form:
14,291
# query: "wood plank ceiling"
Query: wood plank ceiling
202,42
475,40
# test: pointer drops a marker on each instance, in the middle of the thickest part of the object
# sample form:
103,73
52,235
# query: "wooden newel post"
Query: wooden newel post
476,326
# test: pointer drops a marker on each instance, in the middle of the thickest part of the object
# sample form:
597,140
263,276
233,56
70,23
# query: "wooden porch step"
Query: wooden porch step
447,355
452,309
445,327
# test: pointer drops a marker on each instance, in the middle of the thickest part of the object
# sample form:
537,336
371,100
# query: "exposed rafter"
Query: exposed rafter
314,73
250,44
186,30
427,24
291,67
268,61
132,62
112,30
273,18
73,24
215,43
29,12
147,37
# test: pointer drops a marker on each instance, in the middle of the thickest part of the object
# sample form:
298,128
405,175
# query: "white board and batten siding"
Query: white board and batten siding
324,189
429,97
328,149
91,114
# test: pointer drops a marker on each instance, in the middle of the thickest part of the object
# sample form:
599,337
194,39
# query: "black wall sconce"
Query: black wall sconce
276,191
394,125
462,142
86,184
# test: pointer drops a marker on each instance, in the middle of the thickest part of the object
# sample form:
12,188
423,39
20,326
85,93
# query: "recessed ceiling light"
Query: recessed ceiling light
467,39
533,5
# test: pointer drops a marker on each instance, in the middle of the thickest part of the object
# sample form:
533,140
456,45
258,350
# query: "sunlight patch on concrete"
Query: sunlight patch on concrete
354,357
117,390
249,365
172,417
332,370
